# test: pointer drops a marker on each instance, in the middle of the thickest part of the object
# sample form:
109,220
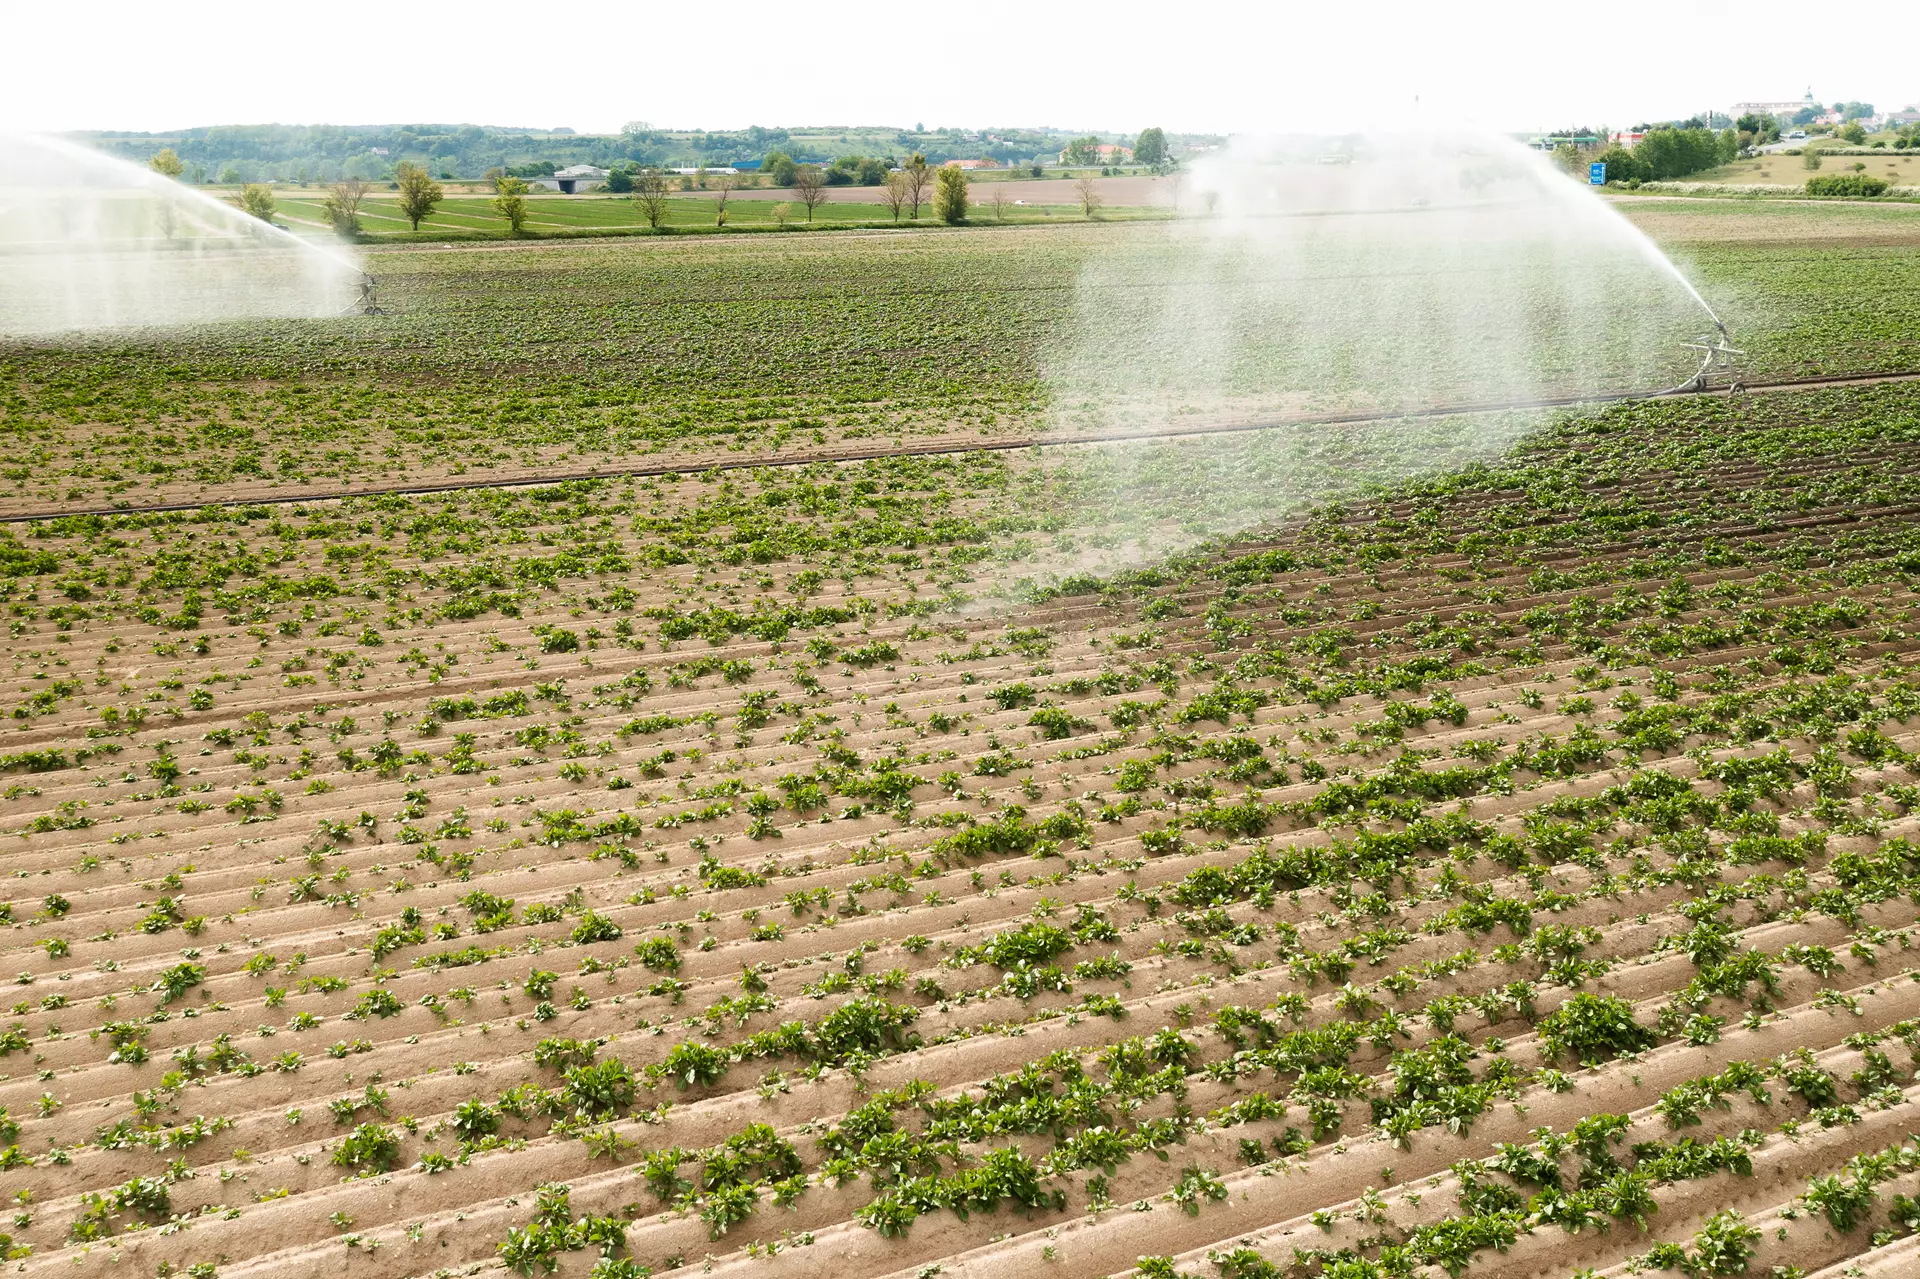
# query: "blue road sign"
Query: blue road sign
1596,174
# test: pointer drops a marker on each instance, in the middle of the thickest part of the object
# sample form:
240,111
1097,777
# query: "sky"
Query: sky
1112,66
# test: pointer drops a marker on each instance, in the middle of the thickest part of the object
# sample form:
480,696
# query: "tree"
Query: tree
510,200
722,187
894,192
342,205
1089,190
950,194
918,176
1853,131
810,184
1082,151
650,193
1665,154
779,168
1811,157
619,181
857,170
1150,148
166,163
418,192
257,199
1622,165
998,201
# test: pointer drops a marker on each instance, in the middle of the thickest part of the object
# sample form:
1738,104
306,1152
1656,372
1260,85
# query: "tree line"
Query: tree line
328,153
914,185
1663,155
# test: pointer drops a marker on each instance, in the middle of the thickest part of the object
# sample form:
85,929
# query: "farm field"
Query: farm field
691,210
1898,167
512,359
768,872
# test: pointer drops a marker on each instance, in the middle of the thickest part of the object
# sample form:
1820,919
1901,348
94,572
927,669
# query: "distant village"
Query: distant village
1793,119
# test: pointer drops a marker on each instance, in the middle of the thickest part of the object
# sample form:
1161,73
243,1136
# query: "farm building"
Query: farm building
1107,153
573,178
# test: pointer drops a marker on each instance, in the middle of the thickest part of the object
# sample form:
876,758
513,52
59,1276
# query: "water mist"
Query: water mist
1379,273
88,241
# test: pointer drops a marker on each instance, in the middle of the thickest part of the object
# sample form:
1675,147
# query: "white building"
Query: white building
1788,109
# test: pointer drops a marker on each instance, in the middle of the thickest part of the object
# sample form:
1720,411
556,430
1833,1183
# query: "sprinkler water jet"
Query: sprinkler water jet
1422,269
92,242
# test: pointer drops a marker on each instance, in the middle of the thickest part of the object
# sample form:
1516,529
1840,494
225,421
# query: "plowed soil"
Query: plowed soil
1508,871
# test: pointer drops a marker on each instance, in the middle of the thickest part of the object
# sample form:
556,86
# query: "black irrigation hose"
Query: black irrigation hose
941,447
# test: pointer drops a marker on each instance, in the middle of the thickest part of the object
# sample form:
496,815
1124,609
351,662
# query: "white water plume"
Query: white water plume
88,241
1315,276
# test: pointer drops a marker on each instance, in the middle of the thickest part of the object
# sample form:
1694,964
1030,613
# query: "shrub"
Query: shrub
1847,184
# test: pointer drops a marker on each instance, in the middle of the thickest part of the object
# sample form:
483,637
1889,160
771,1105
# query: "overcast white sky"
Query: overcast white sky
592,65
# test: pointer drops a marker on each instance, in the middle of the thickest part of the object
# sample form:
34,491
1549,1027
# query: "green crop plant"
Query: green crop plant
367,1150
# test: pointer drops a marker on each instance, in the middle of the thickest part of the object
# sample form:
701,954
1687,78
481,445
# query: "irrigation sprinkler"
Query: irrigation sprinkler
366,304
1717,355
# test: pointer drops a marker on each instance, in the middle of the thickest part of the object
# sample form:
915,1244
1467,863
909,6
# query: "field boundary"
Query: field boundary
945,447
484,235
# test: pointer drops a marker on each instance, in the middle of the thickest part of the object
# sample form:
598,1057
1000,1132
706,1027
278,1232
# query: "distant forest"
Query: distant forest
324,153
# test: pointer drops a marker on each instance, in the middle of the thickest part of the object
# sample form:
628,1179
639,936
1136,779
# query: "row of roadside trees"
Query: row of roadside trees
909,188
1662,155
906,190
418,195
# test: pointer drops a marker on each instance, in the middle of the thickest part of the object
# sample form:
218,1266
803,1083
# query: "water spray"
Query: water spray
90,242
1425,302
